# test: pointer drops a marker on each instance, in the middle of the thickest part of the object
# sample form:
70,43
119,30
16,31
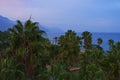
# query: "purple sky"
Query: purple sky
79,15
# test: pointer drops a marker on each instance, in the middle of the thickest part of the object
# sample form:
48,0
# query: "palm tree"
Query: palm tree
29,37
111,43
99,41
69,45
87,39
113,61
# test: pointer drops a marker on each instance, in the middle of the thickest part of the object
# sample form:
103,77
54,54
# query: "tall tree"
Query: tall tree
29,38
87,36
69,45
99,41
113,62
111,43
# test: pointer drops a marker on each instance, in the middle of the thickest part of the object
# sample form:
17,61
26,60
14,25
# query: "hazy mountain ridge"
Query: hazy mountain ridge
50,29
6,23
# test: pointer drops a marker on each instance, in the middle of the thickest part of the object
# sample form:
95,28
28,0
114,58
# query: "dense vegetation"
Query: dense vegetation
26,54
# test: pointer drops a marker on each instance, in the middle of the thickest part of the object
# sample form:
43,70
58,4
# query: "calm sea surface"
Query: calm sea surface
95,36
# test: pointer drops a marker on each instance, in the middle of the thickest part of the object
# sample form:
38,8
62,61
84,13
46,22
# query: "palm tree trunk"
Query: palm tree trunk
29,68
116,73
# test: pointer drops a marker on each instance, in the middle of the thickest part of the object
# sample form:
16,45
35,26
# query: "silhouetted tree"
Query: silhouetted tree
87,36
27,41
69,45
99,41
111,44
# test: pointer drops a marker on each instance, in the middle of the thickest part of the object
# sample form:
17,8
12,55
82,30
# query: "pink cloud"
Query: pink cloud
11,3
13,8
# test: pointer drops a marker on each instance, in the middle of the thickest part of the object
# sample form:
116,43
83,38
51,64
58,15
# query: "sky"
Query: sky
78,15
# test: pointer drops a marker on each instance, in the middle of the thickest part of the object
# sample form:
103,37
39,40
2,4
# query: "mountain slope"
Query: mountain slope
51,29
5,23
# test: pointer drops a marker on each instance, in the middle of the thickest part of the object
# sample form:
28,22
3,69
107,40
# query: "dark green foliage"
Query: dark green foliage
91,65
69,46
28,47
28,55
113,61
4,42
99,41
87,36
111,44
54,51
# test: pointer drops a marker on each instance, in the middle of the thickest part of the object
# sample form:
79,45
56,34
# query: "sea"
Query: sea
95,36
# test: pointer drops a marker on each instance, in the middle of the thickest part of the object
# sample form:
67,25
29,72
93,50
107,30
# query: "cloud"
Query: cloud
11,3
12,8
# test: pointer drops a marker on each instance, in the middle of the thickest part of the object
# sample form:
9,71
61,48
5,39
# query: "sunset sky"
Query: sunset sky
79,15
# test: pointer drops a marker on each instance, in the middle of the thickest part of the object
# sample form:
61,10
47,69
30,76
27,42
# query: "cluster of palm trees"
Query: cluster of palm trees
26,54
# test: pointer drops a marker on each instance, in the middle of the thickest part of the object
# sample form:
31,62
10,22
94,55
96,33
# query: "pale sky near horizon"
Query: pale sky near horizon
79,15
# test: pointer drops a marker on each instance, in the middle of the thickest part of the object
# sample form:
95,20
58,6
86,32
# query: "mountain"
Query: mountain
5,23
50,29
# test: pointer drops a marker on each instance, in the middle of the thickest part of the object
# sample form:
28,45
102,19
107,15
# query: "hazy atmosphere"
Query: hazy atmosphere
59,39
79,15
